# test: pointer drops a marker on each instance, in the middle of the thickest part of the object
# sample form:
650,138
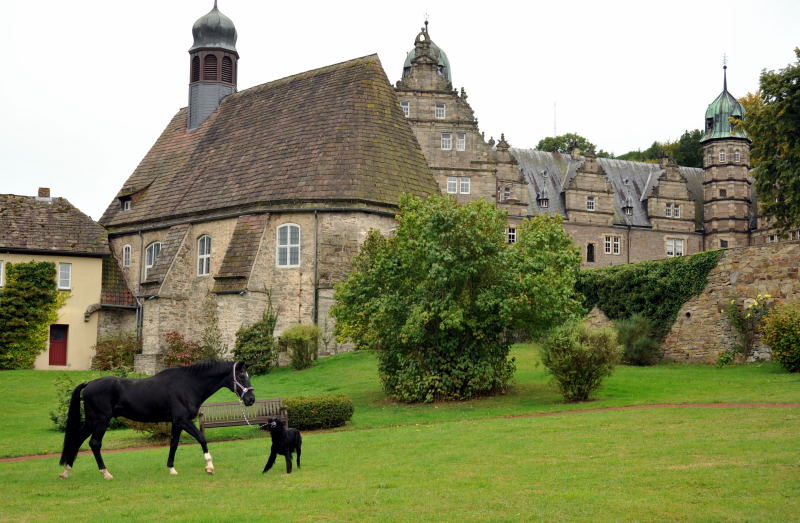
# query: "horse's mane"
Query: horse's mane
201,368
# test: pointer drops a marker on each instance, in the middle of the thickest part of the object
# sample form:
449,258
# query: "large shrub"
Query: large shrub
655,289
441,297
318,412
302,343
180,351
256,345
639,347
116,351
781,332
745,318
579,357
29,303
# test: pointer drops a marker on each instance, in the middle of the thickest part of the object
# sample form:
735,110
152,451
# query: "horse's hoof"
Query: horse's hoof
172,471
106,474
210,470
63,475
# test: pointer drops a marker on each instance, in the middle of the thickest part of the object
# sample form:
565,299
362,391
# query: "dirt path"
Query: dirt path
510,416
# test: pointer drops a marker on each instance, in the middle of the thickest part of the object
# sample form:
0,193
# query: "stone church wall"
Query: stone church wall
701,332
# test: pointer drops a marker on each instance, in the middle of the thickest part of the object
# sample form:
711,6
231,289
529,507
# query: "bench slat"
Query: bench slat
229,413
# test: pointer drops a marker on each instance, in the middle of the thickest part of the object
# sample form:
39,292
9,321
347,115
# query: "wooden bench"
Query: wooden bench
229,413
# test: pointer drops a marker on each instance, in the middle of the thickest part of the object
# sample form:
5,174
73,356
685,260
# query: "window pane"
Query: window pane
283,235
282,256
294,256
64,275
464,185
294,235
452,185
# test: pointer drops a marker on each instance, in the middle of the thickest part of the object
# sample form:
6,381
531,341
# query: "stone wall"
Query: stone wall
701,332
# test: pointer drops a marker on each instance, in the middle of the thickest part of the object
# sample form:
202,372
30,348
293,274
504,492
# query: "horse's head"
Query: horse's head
240,383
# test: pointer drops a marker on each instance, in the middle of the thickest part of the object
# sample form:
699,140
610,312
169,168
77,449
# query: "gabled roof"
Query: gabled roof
48,226
333,135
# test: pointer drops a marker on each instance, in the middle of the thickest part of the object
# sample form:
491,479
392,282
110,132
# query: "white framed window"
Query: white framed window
441,111
64,276
590,203
463,186
2,273
126,204
406,106
461,141
126,255
673,210
452,185
447,141
150,256
612,245
737,156
204,255
506,192
722,156
668,211
772,238
674,247
288,240
710,158
511,235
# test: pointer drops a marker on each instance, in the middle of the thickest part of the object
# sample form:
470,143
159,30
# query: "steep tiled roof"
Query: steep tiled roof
335,134
238,261
53,225
169,248
115,291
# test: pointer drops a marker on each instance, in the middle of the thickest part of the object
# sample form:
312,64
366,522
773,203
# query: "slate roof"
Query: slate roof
48,225
115,291
335,134
242,250
631,182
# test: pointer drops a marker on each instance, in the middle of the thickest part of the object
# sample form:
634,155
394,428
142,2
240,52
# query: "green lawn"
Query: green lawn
479,460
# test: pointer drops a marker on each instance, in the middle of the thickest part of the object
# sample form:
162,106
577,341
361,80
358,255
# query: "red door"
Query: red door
58,344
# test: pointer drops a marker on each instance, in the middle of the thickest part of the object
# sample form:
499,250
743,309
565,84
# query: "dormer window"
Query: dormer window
627,210
506,192
673,210
125,204
709,124
441,111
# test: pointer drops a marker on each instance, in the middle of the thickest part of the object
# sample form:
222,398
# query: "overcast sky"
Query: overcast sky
86,86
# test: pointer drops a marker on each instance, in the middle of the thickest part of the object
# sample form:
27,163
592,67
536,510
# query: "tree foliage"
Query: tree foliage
772,121
686,151
565,143
29,304
440,298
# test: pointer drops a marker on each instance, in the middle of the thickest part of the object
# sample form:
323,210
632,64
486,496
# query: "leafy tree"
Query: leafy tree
29,304
688,151
772,121
565,143
440,298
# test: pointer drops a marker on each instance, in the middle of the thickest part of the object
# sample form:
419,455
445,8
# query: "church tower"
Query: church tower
727,191
213,65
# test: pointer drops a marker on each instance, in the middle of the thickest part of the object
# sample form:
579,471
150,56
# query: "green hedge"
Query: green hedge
654,289
318,412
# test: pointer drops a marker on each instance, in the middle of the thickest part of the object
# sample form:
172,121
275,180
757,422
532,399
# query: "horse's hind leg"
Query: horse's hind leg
73,452
173,446
95,443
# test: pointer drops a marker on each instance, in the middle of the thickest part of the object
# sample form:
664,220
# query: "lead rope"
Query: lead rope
244,389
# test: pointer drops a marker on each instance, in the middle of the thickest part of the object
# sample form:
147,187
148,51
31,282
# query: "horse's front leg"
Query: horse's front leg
189,427
173,447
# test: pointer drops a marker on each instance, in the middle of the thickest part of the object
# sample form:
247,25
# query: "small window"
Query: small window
628,210
772,238
64,276
722,156
210,67
441,111
709,124
590,253
710,158
150,257
607,245
461,141
452,185
676,210
723,244
288,245
723,193
506,192
511,235
590,201
447,141
2,273
406,109
668,211
126,255
227,69
674,247
737,156
463,185
612,245
204,255
195,69
543,202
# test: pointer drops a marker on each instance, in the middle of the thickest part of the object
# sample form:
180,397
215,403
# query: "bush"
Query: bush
181,351
579,358
302,343
157,431
211,344
781,332
255,345
116,351
318,412
635,334
745,318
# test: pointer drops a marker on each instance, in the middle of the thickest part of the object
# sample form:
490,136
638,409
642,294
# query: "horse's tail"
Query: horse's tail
72,432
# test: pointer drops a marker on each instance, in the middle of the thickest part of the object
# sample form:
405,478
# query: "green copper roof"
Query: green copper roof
214,30
438,54
720,111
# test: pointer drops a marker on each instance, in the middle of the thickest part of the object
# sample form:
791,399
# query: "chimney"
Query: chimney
44,192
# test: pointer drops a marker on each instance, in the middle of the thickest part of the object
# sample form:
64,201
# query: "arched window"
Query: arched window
590,253
210,67
150,257
722,156
288,254
126,255
204,255
227,69
195,69
710,158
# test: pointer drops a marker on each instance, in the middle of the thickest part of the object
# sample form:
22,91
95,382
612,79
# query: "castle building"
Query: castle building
267,190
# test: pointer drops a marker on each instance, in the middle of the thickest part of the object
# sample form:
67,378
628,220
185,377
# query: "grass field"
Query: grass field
488,459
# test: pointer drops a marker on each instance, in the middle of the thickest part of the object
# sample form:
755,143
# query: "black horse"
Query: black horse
173,395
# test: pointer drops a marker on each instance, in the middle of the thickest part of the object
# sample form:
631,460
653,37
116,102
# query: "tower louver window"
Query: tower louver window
227,70
210,67
195,69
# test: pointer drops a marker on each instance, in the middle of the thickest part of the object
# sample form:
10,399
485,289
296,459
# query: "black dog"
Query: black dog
284,441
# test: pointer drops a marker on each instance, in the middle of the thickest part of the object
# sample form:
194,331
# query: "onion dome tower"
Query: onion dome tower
213,65
426,65
727,191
